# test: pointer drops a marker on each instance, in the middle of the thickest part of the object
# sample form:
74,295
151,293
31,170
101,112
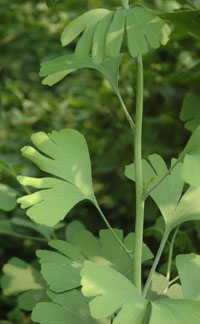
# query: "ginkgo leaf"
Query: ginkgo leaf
55,70
62,270
66,308
191,162
189,264
190,112
168,193
19,276
144,29
113,294
75,27
66,157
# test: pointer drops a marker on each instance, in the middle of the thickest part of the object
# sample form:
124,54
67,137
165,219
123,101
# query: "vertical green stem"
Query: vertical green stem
155,263
171,253
137,260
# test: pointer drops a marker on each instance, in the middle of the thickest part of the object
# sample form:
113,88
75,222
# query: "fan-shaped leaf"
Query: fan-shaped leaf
55,70
61,271
113,293
188,266
143,29
68,159
190,112
74,28
85,42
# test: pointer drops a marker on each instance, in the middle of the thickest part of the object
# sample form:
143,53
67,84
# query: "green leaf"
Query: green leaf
99,39
55,70
191,163
29,299
185,21
177,311
62,271
85,42
175,292
77,26
68,307
7,197
190,112
73,229
66,157
50,3
143,29
115,34
158,286
188,266
114,292
19,276
168,193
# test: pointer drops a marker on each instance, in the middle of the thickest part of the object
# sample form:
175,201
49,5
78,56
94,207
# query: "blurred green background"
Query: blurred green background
30,33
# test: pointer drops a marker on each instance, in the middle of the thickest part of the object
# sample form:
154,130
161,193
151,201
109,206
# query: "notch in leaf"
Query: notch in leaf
103,32
67,158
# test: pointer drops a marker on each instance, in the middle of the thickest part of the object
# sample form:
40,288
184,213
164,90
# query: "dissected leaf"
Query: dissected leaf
143,29
68,159
190,112
7,197
19,276
168,193
191,163
62,271
158,286
55,70
188,266
74,28
113,293
68,307
85,42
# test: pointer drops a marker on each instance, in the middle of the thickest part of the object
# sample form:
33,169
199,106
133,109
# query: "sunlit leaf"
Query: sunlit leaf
66,157
74,28
158,286
112,291
113,294
19,276
188,266
190,112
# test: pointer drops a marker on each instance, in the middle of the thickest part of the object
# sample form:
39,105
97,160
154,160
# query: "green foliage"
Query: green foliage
105,267
68,160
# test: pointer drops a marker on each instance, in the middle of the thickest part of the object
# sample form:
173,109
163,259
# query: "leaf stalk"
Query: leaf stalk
139,222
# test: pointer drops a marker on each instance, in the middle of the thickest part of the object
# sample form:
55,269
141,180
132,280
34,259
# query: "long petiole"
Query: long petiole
139,222
171,253
155,263
113,232
128,117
